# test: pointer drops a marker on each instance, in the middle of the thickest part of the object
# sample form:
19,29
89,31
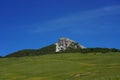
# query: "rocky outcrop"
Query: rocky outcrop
65,43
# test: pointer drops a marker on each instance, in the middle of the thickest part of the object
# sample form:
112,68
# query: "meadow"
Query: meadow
69,66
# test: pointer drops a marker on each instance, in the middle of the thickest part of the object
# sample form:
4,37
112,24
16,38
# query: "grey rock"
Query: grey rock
65,43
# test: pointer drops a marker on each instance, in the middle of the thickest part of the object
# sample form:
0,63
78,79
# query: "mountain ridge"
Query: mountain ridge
63,45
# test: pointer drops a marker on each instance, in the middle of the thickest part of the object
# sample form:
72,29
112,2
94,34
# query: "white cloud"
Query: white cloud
81,19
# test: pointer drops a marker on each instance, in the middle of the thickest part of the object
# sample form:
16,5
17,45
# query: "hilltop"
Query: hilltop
63,45
66,43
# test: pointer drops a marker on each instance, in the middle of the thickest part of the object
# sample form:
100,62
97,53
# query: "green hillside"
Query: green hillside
52,48
72,66
33,52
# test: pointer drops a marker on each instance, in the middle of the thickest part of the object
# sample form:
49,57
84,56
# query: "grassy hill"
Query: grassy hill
52,48
33,52
72,66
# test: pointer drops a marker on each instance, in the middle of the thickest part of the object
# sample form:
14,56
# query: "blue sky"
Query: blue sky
32,24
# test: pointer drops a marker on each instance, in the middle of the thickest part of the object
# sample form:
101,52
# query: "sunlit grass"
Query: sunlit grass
72,66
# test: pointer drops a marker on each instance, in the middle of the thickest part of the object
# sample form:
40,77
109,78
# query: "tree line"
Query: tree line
33,52
51,50
93,50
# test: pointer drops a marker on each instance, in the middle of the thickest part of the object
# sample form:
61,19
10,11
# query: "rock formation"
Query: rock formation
65,43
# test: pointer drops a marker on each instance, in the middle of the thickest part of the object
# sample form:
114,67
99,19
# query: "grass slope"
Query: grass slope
62,67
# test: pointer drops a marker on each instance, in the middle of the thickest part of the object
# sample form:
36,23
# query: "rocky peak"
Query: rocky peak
65,43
